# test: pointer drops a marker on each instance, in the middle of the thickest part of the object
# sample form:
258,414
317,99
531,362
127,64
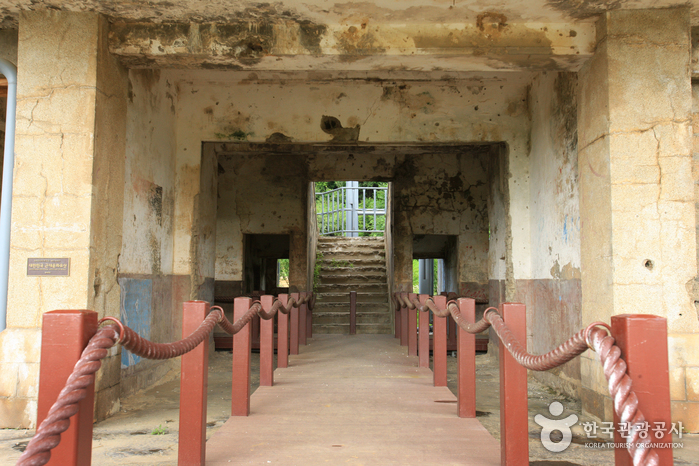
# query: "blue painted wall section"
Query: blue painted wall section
136,311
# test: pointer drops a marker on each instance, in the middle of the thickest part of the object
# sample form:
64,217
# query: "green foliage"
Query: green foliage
365,222
416,277
160,430
283,271
336,263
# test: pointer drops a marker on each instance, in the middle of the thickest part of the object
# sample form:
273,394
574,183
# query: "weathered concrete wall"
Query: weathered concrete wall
499,221
205,227
445,194
64,178
239,106
107,208
638,234
150,293
261,194
553,292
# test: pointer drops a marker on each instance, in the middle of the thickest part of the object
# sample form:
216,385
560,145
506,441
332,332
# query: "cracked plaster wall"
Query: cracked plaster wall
65,182
637,201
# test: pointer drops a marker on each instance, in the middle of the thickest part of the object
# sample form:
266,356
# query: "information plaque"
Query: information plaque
48,267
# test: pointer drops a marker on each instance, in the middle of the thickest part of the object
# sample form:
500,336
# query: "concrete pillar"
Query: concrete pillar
402,253
68,194
638,246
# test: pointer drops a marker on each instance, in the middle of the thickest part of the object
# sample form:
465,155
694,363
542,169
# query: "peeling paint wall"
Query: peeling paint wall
553,293
151,293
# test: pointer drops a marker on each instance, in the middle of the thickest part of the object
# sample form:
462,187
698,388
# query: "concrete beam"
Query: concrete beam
490,44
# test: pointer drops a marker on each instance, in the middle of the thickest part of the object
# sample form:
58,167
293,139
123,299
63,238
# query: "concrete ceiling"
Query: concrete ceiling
322,35
344,12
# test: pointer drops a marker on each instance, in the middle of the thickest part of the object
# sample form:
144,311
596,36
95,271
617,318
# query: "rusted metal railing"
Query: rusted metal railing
73,337
642,339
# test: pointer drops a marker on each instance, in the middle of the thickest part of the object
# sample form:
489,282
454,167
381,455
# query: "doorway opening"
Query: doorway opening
351,208
264,254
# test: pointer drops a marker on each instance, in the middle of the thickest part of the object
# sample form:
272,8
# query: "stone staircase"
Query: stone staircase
352,264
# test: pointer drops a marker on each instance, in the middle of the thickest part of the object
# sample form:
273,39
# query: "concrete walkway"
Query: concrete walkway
356,400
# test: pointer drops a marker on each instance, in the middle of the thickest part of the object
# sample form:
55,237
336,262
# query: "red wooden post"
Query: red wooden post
397,320
64,336
309,320
451,338
514,434
256,328
294,327
194,379
283,334
242,346
466,365
303,312
412,328
267,344
439,349
353,313
642,340
404,322
424,337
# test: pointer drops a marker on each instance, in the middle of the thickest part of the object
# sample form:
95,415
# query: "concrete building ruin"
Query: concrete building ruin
551,141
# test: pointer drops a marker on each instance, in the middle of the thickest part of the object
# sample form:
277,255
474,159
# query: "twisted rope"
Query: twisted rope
625,399
593,337
48,435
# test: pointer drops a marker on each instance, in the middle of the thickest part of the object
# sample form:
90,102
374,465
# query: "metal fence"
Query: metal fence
352,210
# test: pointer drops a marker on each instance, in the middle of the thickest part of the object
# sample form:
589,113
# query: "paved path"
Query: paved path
357,400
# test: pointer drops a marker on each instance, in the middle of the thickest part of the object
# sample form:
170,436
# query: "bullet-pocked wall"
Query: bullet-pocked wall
289,107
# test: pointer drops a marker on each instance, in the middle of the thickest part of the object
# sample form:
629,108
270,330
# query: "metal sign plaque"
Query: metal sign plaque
48,267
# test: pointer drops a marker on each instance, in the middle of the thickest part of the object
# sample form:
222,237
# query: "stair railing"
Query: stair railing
351,210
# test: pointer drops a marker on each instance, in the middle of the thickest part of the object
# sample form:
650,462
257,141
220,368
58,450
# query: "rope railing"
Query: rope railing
596,336
48,434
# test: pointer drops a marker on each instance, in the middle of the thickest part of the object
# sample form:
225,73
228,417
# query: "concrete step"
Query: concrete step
353,278
352,262
344,259
344,298
365,287
356,270
359,248
343,308
351,240
344,329
323,318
